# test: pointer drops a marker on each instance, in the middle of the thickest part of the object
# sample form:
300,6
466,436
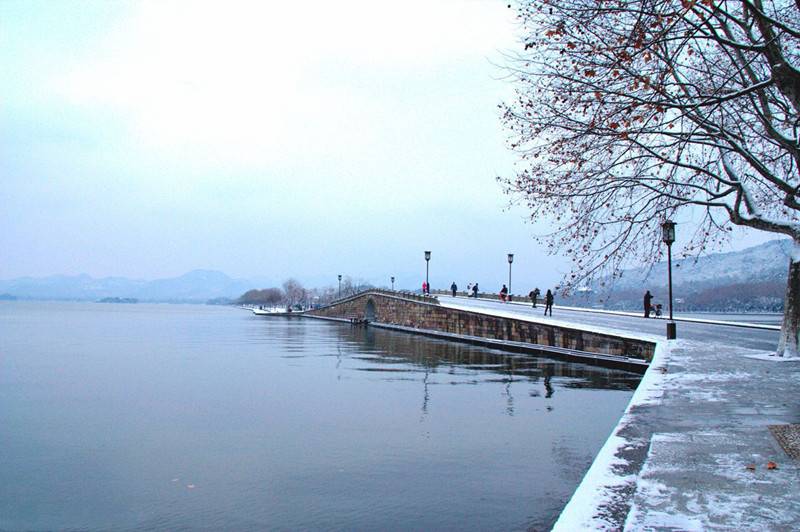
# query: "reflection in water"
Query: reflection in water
509,397
388,349
548,388
338,361
426,396
393,353
510,400
282,424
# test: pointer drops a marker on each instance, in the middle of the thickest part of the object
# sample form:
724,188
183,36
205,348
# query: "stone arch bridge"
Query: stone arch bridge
424,315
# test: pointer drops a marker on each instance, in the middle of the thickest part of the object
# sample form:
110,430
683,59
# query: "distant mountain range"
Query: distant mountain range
197,286
765,262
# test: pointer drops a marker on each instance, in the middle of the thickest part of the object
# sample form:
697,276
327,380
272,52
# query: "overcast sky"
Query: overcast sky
269,139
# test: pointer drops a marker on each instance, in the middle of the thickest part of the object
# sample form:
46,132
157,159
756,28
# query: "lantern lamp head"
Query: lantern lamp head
668,232
510,258
427,255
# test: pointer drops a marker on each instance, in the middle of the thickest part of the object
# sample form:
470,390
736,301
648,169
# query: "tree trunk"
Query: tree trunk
789,344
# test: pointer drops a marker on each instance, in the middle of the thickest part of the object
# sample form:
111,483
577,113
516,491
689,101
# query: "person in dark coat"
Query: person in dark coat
548,302
648,298
475,290
534,295
503,293
454,288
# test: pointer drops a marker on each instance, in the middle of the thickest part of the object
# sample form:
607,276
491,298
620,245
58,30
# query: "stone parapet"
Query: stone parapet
412,296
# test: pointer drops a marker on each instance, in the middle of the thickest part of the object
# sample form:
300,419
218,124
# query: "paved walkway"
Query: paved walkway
715,332
679,458
692,449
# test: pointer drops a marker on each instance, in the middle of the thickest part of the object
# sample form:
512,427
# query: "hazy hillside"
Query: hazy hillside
753,279
765,262
195,286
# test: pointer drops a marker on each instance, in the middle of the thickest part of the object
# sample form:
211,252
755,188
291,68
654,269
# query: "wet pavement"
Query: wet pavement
694,450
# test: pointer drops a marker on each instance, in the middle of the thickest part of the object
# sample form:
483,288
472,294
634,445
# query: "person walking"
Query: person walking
648,298
454,288
424,288
475,290
548,302
503,294
534,295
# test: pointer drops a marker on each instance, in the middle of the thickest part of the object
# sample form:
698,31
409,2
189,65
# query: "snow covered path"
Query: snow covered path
702,331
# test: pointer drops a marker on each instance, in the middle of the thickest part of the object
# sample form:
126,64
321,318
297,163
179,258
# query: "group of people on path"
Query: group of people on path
548,300
472,291
505,297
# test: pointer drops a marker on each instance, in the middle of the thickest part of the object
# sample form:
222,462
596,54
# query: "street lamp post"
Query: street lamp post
668,236
340,286
510,260
392,283
427,263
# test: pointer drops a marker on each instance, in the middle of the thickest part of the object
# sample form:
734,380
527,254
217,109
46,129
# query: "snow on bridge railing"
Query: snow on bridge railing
391,293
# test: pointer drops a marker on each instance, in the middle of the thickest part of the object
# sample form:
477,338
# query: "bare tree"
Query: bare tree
321,296
294,292
272,296
628,112
352,286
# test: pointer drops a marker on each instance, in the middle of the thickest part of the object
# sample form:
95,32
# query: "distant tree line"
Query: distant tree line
267,296
766,296
292,292
763,296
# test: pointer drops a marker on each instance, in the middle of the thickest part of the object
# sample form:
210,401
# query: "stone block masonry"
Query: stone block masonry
425,315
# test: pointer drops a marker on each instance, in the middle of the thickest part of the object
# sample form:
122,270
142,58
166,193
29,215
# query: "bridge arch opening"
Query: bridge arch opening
369,310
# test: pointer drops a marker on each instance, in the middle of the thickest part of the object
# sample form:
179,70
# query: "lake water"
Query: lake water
181,417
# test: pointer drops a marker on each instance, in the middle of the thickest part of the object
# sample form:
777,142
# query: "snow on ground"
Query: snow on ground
602,483
769,356
628,314
700,422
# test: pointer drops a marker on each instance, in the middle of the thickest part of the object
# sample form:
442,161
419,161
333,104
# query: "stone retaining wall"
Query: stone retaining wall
385,307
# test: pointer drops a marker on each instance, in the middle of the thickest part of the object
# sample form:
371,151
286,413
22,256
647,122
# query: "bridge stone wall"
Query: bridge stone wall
426,314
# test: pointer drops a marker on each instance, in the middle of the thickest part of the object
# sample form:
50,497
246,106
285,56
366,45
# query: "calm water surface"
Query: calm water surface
164,417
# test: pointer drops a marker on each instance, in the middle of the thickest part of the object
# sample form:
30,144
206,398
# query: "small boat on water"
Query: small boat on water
274,311
266,311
